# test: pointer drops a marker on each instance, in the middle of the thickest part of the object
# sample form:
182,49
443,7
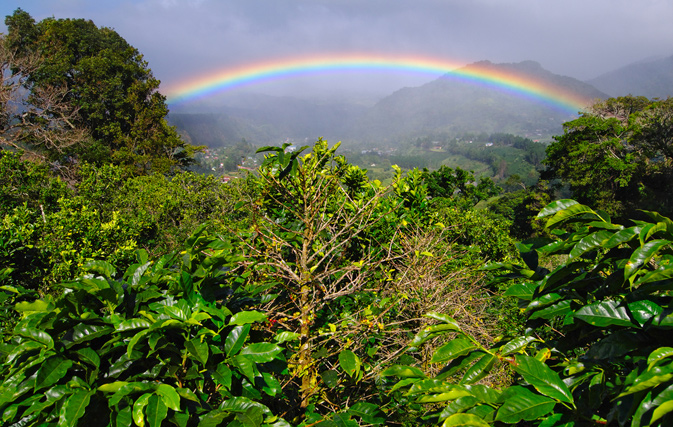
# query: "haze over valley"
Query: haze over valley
570,43
445,105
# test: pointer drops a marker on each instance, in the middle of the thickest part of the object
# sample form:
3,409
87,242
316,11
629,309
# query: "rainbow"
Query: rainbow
480,74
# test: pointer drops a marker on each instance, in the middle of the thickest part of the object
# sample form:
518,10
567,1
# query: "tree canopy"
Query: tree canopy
618,155
75,92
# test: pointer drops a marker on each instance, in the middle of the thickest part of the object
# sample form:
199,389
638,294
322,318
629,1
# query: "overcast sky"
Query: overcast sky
182,39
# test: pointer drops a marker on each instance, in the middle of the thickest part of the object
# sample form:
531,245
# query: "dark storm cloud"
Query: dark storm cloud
183,38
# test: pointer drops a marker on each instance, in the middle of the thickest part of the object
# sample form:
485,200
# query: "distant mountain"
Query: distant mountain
652,78
445,105
454,106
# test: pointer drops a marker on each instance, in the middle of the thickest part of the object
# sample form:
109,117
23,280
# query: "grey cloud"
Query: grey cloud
182,38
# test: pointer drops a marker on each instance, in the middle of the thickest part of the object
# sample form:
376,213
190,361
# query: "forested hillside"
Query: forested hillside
305,291
452,105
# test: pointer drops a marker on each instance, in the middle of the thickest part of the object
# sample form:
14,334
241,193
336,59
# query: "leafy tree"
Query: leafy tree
85,94
617,156
459,185
521,207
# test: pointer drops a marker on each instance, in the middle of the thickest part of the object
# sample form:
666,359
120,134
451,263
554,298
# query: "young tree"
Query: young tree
314,237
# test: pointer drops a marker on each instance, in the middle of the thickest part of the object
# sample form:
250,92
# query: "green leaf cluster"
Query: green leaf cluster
169,342
597,346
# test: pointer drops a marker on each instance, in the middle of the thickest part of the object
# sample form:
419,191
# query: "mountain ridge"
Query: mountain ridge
444,105
650,77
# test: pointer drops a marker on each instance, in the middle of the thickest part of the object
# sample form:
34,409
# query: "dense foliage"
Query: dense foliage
72,92
617,156
597,348
307,293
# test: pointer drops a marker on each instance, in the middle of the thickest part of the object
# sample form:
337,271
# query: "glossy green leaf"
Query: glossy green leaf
433,385
73,408
560,309
198,349
448,320
621,237
36,335
100,267
659,354
261,352
139,409
123,417
644,311
543,301
246,317
540,376
556,420
402,371
556,206
654,229
655,276
242,404
271,385
370,413
466,420
88,355
615,345
605,313
460,405
662,404
156,410
443,397
223,375
642,255
404,383
453,349
131,324
244,366
213,418
480,369
521,404
589,243
128,389
252,417
568,213
135,340
169,395
112,387
522,291
286,336
651,378
136,272
39,305
235,339
349,362
83,332
459,364
51,371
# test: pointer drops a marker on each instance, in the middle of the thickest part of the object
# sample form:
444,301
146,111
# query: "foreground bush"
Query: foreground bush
172,340
598,348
